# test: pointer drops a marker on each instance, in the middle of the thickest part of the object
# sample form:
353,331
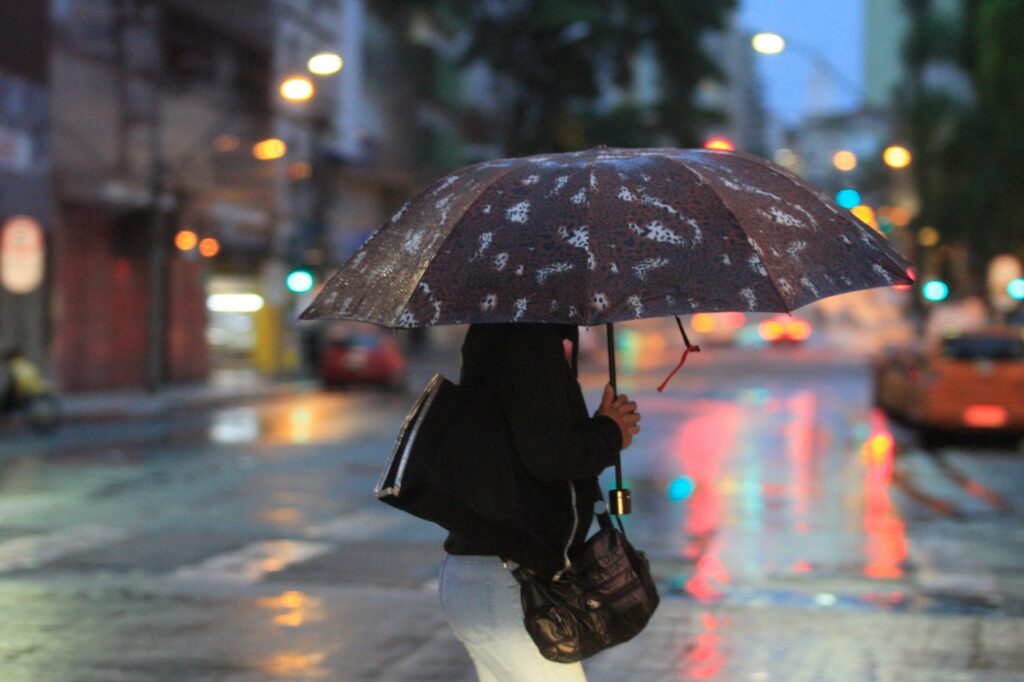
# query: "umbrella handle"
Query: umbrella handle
619,498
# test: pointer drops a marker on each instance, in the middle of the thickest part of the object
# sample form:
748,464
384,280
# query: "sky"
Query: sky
828,29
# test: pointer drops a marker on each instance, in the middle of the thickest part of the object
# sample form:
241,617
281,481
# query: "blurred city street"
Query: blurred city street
238,237
796,535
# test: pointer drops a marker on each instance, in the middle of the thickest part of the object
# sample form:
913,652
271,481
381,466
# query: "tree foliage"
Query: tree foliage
969,149
561,59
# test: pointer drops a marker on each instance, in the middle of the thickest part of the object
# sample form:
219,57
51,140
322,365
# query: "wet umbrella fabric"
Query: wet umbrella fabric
607,235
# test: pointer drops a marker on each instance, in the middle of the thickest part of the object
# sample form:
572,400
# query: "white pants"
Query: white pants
480,599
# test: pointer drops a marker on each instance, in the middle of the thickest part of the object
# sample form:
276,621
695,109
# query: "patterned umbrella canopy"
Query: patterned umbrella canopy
606,235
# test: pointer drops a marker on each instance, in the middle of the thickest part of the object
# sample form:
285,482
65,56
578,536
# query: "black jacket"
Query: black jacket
532,444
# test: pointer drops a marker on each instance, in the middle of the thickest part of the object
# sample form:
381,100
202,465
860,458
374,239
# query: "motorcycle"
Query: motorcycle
24,390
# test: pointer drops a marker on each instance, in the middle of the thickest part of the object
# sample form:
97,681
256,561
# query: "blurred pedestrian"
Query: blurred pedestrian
526,401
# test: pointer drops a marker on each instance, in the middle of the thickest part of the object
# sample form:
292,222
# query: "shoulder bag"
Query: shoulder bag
605,598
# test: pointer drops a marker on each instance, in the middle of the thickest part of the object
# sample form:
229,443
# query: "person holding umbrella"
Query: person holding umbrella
519,248
525,402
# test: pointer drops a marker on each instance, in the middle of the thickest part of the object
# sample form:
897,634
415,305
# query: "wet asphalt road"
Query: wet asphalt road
244,543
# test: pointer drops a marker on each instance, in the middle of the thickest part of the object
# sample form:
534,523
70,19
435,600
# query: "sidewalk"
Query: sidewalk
221,389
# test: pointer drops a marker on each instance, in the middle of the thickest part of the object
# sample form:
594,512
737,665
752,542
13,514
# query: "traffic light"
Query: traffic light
936,290
1016,289
299,281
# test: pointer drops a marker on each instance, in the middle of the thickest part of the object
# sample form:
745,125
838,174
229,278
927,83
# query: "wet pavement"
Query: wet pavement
797,535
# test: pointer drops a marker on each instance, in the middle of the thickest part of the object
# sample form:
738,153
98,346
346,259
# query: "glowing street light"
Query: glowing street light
896,156
297,89
269,149
768,43
844,160
325,64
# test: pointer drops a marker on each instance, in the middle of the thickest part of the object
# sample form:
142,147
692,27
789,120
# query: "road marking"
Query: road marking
32,551
359,525
252,563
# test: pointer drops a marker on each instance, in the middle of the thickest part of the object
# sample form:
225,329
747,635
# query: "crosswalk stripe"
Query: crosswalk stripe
32,551
252,563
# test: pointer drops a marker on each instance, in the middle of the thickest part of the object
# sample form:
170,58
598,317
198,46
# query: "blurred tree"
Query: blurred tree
581,72
962,110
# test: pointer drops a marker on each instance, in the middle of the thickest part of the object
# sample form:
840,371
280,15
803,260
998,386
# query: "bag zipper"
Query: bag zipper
575,524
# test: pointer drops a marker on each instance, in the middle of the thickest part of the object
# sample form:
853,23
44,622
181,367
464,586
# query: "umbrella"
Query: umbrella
605,235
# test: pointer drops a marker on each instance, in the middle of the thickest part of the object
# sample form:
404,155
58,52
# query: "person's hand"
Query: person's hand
622,411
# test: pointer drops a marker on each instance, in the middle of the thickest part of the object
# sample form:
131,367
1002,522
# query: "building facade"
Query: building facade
25,176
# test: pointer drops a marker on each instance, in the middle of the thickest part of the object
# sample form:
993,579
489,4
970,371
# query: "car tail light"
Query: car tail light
985,416
770,330
799,330
702,322
733,320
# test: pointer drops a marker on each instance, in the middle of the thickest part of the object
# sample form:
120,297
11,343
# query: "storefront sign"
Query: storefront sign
21,255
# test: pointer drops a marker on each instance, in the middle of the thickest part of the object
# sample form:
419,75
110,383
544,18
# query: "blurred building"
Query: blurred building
864,133
25,178
738,94
187,184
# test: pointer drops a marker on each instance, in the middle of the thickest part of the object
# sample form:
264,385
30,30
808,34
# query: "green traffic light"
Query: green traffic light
935,290
299,281
1016,289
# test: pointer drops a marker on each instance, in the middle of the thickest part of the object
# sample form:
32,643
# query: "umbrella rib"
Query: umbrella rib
419,278
883,244
739,224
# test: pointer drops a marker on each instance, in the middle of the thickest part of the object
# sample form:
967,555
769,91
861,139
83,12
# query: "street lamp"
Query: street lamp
297,89
325,64
768,43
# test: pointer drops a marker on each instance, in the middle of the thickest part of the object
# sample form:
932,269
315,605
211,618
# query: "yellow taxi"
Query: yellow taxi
969,382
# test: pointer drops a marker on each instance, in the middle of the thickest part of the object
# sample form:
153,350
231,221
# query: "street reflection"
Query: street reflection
290,663
293,608
704,656
703,444
885,540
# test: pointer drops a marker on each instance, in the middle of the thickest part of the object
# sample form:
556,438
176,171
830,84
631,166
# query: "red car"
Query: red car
362,357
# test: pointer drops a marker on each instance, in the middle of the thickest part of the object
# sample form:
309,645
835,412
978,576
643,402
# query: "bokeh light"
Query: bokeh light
866,214
186,240
896,156
847,198
681,488
297,89
1016,289
270,149
209,247
719,143
844,160
768,43
325,64
935,290
927,236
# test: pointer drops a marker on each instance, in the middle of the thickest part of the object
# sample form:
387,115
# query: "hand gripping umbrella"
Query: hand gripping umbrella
606,235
